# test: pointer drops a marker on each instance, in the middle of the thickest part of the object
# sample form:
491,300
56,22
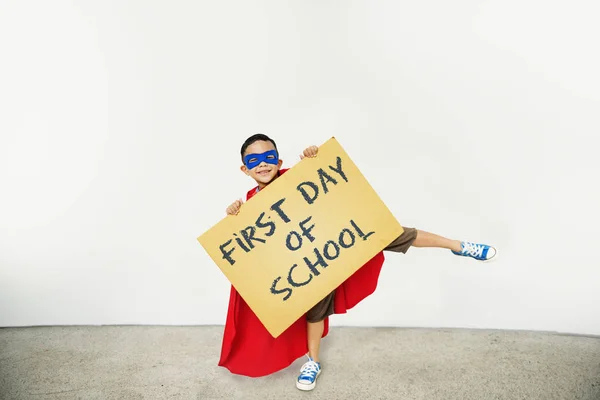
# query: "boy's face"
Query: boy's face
264,172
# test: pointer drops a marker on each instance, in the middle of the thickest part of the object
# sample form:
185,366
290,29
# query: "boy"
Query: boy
248,348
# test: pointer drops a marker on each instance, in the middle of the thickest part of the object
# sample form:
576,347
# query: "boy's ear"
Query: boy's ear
280,163
244,169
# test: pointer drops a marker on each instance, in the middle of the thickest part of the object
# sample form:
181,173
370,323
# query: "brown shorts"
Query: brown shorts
324,308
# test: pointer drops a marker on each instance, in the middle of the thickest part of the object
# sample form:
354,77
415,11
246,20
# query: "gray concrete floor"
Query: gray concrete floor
148,362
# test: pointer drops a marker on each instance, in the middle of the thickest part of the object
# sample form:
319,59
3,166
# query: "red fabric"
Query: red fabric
249,349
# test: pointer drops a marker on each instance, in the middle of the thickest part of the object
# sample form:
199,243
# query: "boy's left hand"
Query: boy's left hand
309,152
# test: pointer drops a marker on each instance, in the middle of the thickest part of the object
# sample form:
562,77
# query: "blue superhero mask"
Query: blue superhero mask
253,160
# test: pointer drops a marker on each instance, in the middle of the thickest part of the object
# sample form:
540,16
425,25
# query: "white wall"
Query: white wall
121,123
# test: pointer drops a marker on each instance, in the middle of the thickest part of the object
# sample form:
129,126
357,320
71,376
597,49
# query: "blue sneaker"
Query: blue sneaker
308,375
481,252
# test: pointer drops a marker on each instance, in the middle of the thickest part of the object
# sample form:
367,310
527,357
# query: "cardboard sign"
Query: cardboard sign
302,236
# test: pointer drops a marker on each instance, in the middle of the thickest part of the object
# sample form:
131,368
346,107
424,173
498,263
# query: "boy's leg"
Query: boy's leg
315,325
418,238
315,318
426,239
315,333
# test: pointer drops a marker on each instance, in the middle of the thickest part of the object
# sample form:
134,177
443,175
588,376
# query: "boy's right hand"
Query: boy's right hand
234,208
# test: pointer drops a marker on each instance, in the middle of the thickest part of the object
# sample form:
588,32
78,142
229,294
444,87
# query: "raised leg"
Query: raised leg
412,237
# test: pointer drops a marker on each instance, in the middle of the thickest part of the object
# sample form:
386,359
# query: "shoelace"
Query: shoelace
309,369
473,249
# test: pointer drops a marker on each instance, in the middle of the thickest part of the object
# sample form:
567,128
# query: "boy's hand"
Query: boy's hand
309,152
234,208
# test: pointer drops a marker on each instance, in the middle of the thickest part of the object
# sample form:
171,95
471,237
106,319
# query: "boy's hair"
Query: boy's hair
256,138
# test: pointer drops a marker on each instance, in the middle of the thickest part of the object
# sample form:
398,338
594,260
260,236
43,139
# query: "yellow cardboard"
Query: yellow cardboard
309,213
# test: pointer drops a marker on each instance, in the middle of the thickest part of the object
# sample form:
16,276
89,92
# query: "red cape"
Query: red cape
249,349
